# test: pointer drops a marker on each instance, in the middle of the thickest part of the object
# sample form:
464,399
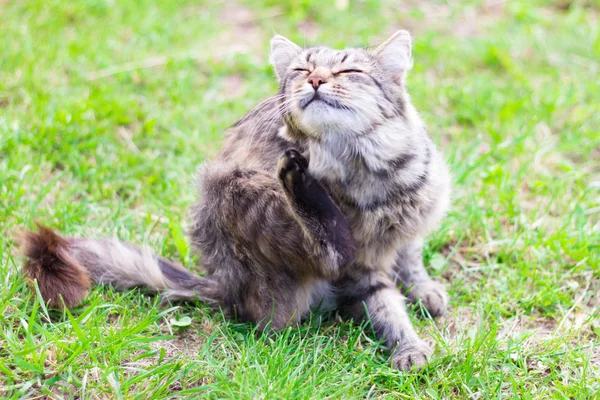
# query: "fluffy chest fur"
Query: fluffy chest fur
390,183
348,111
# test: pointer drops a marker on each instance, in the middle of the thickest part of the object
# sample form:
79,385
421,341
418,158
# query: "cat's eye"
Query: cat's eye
350,71
301,70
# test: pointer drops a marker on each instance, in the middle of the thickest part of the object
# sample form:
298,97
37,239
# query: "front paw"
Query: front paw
432,295
411,356
292,170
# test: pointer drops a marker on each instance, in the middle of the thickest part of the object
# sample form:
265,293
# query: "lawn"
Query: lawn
107,107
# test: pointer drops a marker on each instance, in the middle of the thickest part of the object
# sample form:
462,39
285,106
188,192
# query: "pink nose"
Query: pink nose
316,81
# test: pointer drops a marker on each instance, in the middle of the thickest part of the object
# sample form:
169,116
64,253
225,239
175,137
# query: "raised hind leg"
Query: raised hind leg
269,239
326,229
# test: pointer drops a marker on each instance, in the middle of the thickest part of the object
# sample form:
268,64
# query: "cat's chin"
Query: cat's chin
320,118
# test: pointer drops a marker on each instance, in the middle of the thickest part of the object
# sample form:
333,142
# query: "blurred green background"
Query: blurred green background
107,107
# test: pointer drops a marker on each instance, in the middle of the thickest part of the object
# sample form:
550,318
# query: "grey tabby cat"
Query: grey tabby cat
322,193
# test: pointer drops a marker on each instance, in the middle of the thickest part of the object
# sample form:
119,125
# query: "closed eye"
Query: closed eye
351,71
301,69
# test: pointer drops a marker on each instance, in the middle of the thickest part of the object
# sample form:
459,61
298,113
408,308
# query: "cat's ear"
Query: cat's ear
283,52
395,54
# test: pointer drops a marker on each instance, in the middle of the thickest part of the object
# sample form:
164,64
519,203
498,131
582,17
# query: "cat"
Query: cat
321,194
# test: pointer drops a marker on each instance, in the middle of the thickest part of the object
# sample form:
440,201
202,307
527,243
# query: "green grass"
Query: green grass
106,108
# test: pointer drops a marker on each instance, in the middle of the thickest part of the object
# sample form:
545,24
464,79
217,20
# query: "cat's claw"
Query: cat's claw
292,169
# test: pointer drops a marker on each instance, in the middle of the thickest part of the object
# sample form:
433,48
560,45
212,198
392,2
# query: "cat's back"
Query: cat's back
254,141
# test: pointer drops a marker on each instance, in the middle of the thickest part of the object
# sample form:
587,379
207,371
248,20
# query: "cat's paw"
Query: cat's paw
411,356
432,295
292,169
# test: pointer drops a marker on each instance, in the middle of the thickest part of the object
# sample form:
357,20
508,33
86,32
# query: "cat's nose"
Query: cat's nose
318,77
316,81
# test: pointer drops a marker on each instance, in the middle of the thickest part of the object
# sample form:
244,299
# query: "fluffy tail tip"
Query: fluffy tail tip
61,279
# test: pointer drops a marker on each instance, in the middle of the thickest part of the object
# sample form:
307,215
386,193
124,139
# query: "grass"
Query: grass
107,107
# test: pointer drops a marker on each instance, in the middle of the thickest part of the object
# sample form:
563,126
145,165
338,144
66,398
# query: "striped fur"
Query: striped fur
347,112
64,268
321,194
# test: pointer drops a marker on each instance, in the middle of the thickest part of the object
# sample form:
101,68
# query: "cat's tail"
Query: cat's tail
65,269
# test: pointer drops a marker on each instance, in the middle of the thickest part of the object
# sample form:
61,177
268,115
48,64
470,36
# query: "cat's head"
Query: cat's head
352,90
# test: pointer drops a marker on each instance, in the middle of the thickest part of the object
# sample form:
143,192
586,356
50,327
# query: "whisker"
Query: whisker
269,116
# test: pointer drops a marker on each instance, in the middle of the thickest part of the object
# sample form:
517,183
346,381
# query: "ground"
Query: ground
107,107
